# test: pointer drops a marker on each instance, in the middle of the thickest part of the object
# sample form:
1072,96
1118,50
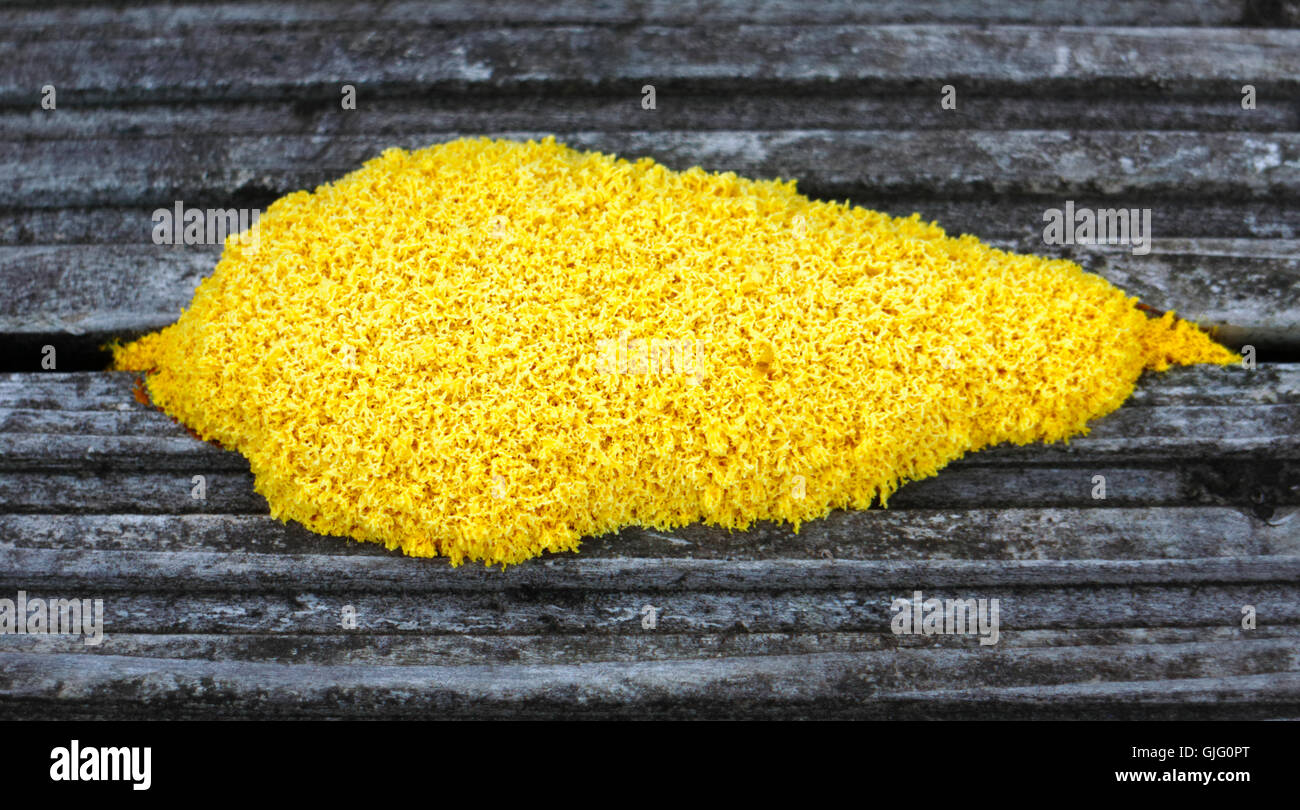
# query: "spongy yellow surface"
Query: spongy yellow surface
490,349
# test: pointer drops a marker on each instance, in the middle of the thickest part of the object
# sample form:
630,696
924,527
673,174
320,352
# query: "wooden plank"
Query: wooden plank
1262,485
133,423
1159,433
1248,289
1267,384
766,685
1128,607
529,610
450,649
1248,696
196,572
98,450
43,439
99,289
187,18
617,110
91,491
1011,218
828,163
276,64
980,533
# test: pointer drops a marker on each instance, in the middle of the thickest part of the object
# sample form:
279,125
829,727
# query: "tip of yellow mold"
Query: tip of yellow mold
1169,341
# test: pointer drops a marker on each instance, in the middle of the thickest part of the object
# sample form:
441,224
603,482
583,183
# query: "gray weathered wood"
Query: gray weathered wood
279,64
1268,383
617,110
1110,533
828,163
1247,289
188,18
455,649
1266,485
35,439
1013,218
78,570
766,685
109,454
1129,607
528,610
42,440
116,289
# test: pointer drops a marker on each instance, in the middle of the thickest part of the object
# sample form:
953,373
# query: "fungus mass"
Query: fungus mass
489,349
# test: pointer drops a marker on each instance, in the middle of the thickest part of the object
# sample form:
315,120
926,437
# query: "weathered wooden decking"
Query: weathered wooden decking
1129,606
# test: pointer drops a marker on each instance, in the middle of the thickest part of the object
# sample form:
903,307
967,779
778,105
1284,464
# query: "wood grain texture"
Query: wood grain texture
527,610
1192,437
1247,289
237,615
77,570
395,648
58,19
830,164
1129,607
223,65
1027,533
772,686
1188,413
1015,218
619,110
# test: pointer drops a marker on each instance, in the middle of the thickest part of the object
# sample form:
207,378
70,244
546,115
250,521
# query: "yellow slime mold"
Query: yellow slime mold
490,349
